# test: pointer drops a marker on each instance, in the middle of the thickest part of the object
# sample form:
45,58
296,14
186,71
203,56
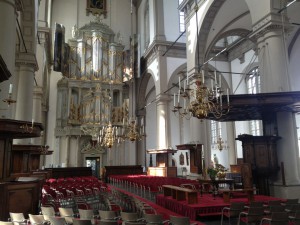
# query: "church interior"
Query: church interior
190,107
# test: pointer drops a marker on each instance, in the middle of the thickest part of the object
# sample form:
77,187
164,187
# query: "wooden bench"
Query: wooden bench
180,193
227,192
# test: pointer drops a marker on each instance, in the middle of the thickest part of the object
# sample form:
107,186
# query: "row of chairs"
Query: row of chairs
80,192
145,213
87,217
19,219
147,186
274,212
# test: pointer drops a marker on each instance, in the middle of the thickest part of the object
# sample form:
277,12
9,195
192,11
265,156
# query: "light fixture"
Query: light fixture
27,129
9,100
182,111
219,144
199,100
44,150
134,132
102,130
208,102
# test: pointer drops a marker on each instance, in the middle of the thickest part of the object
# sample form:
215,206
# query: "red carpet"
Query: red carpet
206,205
159,209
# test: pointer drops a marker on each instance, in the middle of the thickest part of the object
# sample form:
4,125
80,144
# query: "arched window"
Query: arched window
181,19
253,85
253,81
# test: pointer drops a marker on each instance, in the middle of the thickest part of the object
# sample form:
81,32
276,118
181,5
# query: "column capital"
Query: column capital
38,90
163,98
27,59
271,22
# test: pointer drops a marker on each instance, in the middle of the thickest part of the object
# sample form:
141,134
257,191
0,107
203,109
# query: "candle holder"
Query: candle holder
9,100
26,128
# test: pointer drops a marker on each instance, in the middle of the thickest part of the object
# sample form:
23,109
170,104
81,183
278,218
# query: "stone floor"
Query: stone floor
212,221
216,220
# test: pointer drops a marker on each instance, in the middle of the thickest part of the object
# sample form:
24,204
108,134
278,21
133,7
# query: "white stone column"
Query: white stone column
25,97
162,134
287,147
64,151
199,135
158,11
7,50
25,93
230,133
162,124
37,111
274,78
272,60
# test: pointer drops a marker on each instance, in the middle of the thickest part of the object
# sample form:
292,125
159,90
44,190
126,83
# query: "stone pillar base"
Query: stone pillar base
281,191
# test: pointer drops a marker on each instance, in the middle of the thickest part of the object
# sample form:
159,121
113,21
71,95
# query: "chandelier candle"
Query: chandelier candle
174,100
10,89
215,77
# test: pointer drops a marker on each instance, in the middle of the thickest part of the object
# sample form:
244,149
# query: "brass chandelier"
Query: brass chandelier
107,135
198,99
201,101
134,132
220,144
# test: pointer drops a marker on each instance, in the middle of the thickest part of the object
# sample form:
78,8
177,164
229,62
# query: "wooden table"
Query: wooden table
215,183
180,193
248,191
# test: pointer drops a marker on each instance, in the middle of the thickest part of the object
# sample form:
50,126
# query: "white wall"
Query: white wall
171,21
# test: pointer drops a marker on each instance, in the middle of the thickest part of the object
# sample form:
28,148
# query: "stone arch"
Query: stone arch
212,68
293,41
142,87
179,69
235,32
205,28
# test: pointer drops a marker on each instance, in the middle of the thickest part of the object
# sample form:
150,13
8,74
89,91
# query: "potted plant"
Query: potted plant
212,172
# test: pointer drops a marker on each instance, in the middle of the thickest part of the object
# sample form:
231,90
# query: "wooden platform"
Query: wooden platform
180,193
207,205
227,193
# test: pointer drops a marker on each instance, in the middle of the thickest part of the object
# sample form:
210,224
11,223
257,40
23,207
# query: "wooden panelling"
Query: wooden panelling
261,154
162,171
19,197
162,160
69,172
123,170
195,155
5,158
22,197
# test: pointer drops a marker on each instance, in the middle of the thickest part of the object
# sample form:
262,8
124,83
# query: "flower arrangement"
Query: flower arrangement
216,171
221,171
212,172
